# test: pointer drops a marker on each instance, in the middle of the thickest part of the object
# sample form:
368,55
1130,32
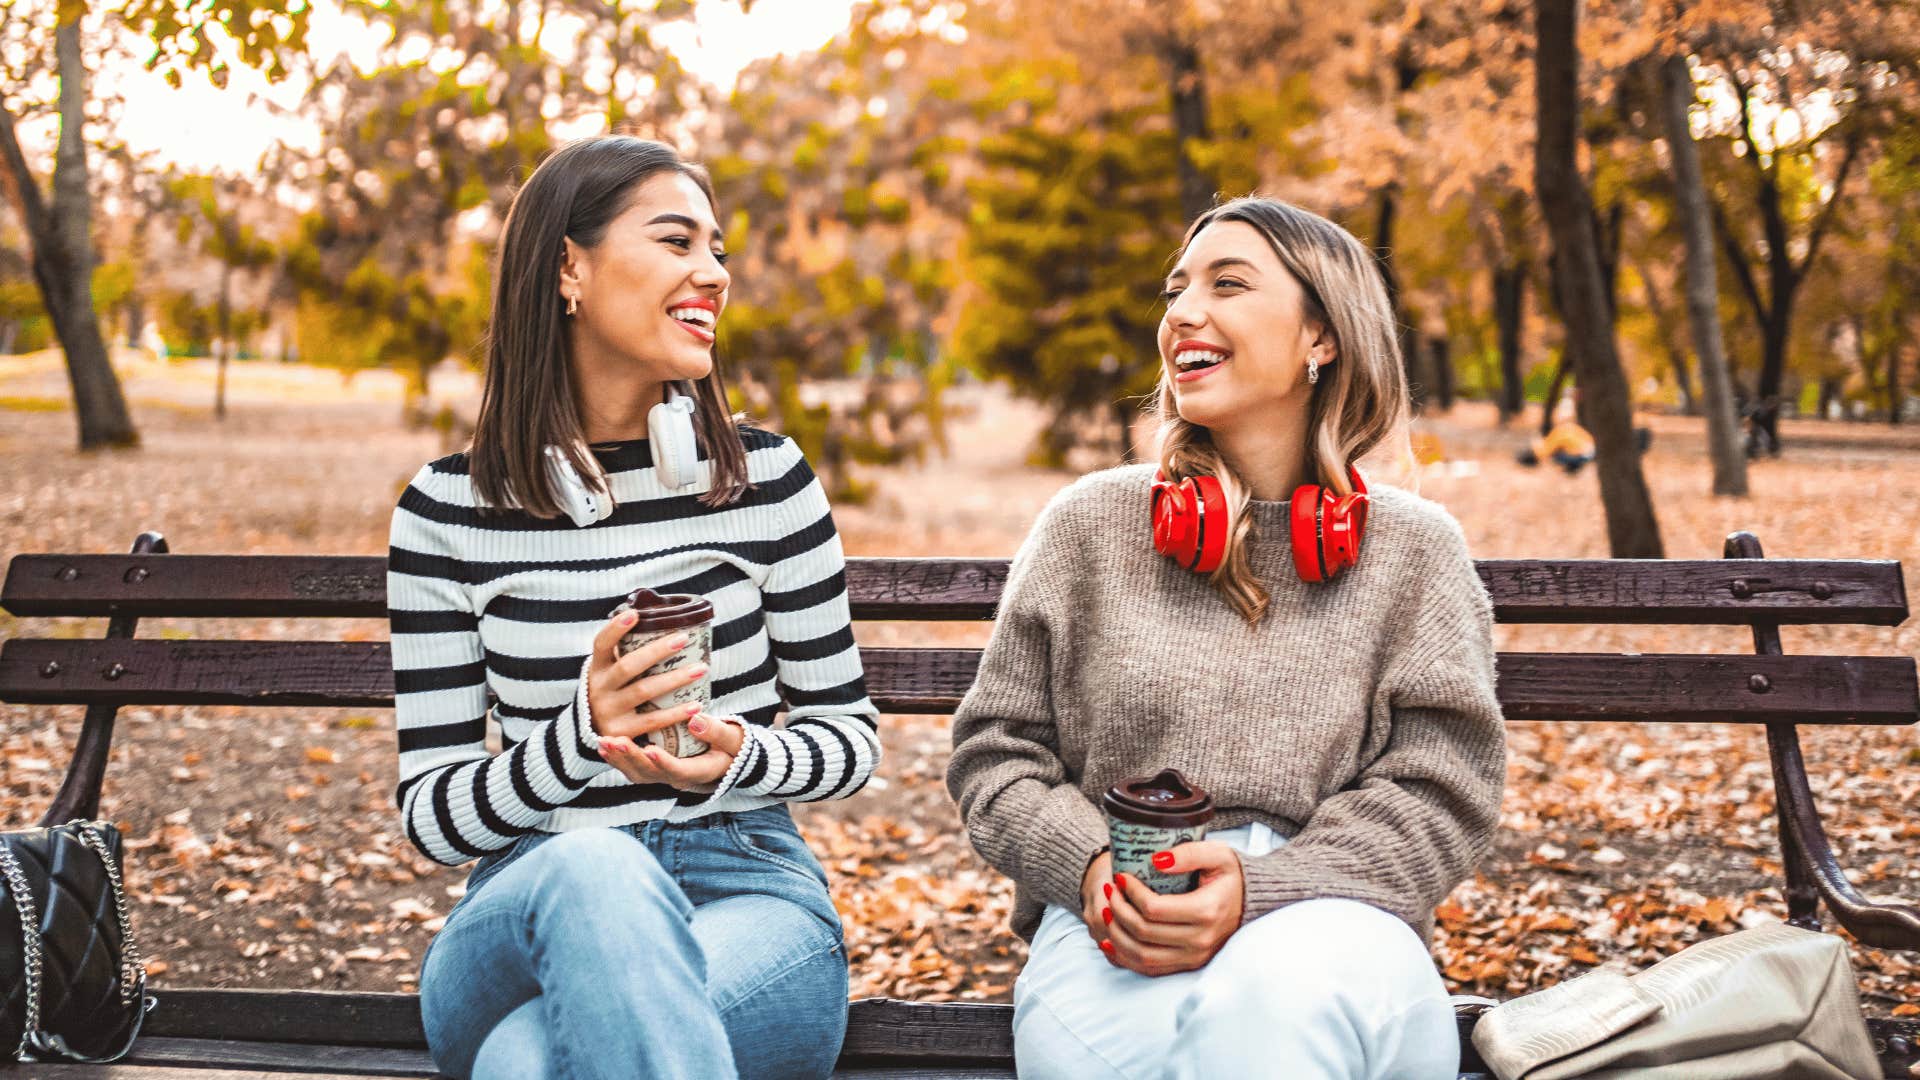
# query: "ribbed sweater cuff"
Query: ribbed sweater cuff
751,753
1062,838
1270,883
579,742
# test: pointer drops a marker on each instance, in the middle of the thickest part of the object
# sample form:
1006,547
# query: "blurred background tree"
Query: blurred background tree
945,193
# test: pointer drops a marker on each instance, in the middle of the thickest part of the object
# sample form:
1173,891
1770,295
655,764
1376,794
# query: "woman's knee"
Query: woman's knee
777,976
516,1047
588,868
1321,956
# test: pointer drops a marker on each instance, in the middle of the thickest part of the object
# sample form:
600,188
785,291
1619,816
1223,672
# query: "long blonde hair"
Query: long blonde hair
1359,403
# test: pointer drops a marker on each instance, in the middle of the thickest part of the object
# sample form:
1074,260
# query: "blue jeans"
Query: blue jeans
701,949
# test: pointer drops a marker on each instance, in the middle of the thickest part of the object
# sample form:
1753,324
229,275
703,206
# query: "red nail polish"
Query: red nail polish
1107,947
1106,913
1163,860
1107,887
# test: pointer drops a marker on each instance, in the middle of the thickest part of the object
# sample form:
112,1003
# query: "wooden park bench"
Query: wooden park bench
363,1034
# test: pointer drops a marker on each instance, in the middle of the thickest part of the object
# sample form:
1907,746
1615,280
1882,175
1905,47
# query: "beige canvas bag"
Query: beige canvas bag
1774,1001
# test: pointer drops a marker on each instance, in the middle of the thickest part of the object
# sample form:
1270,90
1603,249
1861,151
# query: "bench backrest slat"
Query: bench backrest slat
1732,591
1532,686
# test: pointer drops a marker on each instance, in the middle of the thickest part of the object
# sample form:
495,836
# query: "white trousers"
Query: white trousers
1318,989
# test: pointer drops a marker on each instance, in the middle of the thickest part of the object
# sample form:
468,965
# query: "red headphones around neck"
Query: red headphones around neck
1191,523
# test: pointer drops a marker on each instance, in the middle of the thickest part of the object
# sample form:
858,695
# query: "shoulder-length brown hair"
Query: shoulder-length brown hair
1359,403
530,401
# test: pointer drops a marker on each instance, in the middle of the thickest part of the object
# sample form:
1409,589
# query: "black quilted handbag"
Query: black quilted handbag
75,985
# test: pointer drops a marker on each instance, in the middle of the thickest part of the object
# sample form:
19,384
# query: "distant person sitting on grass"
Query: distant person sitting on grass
1567,445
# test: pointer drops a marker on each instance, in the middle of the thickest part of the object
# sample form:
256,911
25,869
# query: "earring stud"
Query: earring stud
573,305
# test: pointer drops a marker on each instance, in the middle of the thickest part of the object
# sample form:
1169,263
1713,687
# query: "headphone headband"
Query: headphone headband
1192,521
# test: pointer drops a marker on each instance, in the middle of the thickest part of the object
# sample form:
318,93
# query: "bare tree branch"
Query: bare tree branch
1850,155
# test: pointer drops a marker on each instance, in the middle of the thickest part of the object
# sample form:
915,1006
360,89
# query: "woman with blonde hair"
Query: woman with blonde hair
1314,652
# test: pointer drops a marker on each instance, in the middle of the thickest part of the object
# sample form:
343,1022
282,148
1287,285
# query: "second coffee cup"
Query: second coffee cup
661,615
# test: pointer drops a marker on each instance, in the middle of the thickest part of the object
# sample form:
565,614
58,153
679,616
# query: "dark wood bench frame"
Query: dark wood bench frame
356,1034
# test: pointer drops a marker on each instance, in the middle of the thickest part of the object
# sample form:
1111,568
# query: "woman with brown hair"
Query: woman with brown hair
1327,676
633,912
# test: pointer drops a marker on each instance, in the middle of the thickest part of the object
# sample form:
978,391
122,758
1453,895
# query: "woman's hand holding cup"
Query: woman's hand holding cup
1095,886
617,688
1156,934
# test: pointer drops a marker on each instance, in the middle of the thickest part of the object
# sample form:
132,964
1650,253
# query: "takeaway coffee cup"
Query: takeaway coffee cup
661,615
1153,813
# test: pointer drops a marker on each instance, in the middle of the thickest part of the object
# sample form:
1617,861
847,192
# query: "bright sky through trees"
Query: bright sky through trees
201,127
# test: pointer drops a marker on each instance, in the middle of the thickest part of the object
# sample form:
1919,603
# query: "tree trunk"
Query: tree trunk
136,314
224,344
1669,342
1187,86
1702,282
60,237
1440,355
1123,415
1896,397
1632,531
1383,248
1609,231
1829,396
1509,281
1561,370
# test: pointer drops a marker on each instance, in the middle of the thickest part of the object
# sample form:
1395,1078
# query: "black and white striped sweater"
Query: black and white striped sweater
508,603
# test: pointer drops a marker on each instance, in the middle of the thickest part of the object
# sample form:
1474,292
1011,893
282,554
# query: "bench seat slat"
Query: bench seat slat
136,1066
1853,591
876,1027
348,1060
213,1060
1532,686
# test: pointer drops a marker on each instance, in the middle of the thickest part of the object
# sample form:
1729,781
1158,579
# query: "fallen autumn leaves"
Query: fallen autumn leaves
264,849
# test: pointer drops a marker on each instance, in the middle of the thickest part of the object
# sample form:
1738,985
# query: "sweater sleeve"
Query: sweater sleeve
1418,817
831,741
457,801
1022,810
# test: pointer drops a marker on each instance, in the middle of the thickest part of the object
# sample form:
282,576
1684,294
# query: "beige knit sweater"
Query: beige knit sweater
1359,719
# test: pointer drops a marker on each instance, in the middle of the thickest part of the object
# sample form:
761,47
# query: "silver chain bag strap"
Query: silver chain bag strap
82,1011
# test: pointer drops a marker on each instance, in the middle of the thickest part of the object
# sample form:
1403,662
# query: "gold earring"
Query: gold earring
573,305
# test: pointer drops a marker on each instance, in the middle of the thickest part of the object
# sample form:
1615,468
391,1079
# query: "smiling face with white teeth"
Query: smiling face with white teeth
1235,338
651,292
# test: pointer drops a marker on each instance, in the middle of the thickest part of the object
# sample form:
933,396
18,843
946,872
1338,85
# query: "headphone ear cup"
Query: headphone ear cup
1215,524
582,504
1340,535
1176,523
1191,521
1303,519
670,436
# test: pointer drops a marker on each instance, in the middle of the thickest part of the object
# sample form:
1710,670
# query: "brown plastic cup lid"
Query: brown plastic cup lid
1165,799
666,611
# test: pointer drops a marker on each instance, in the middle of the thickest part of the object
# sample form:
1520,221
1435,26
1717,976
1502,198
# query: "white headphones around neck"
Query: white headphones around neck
583,504
669,436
